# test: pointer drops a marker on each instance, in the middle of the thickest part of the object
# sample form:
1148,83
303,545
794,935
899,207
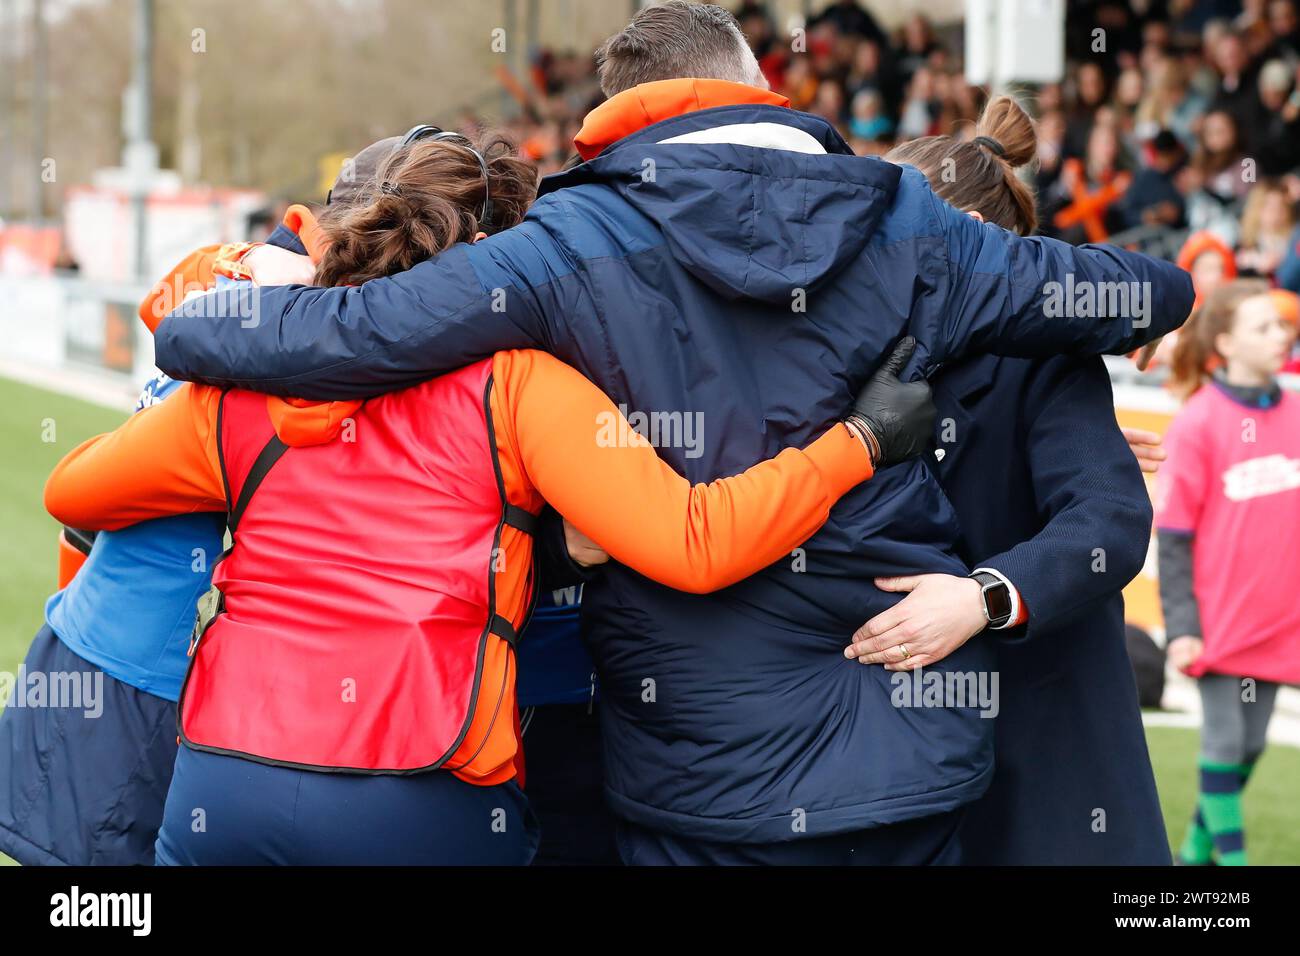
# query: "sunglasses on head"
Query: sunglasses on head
438,134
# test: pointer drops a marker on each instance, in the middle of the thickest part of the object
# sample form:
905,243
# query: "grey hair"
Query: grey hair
673,40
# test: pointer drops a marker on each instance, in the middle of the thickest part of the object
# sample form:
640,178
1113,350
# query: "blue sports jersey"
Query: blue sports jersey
131,607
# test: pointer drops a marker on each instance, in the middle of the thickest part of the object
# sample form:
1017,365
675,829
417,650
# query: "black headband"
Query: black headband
424,131
992,144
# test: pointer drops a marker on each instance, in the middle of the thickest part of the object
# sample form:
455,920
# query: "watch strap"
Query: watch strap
987,582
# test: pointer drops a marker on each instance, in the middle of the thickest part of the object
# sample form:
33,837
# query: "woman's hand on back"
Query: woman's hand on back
940,613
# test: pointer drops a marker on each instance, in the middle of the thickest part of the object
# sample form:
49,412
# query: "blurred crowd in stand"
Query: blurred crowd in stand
1175,120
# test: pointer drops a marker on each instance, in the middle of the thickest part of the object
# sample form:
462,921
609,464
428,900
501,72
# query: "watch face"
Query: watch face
997,601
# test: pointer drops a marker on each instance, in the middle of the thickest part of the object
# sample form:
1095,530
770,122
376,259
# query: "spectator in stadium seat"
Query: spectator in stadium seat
1279,135
869,71
1209,261
1237,92
1266,226
1092,92
1093,188
1153,198
1218,176
1170,103
919,45
850,18
1284,24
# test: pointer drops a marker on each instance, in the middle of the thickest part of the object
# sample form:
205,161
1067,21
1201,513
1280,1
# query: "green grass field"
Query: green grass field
1272,800
29,539
28,573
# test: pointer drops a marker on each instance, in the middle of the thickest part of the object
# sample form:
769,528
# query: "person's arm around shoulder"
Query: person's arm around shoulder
1036,297
161,461
191,274
387,334
582,456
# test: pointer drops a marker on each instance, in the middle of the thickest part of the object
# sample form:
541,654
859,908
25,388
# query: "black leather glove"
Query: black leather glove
898,415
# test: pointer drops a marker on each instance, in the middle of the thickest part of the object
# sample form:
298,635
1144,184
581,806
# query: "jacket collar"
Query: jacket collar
648,103
302,222
1258,396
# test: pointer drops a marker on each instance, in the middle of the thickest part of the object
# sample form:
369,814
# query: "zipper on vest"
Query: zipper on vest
591,700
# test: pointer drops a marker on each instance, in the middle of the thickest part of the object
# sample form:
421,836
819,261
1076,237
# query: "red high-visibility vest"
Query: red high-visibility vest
357,600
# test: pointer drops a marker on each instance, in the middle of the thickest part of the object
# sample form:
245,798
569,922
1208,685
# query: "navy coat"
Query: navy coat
749,290
1048,493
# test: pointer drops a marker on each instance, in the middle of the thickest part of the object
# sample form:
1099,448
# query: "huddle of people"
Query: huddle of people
869,614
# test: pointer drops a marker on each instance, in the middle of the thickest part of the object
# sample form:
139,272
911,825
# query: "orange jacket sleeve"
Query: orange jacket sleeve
193,273
161,461
562,435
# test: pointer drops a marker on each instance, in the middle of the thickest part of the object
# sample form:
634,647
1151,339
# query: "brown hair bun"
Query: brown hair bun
974,176
1005,122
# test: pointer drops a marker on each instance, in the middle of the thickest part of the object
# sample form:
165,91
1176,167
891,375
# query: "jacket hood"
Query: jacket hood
300,422
754,199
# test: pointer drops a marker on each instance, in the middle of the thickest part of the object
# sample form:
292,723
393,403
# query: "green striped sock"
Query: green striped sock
1220,808
1247,769
1197,843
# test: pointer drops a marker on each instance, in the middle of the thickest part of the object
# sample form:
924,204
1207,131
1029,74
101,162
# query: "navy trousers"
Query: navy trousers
227,811
927,841
566,785
82,782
